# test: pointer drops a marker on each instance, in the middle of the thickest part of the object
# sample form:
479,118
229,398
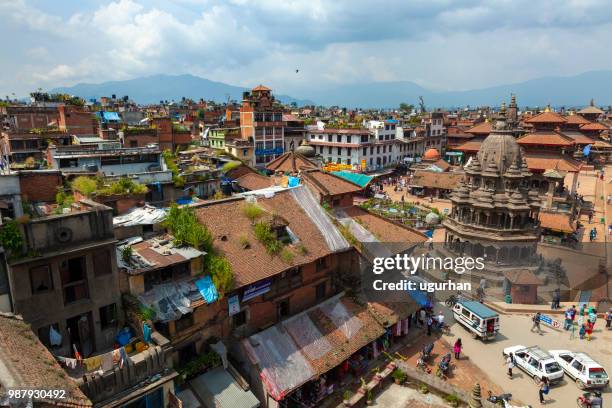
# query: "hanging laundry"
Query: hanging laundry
117,357
124,357
397,329
375,351
107,361
92,363
54,337
146,333
77,355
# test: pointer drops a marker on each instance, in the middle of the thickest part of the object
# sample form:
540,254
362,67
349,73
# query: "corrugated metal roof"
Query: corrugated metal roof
217,389
361,180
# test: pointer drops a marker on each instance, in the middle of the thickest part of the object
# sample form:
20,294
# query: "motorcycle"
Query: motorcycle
584,400
426,352
503,400
444,366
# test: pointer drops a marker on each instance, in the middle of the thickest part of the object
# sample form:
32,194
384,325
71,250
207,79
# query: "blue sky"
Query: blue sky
440,44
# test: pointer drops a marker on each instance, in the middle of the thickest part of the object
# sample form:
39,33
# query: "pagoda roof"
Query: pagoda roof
483,128
591,110
543,162
261,88
576,120
547,117
469,147
552,138
593,126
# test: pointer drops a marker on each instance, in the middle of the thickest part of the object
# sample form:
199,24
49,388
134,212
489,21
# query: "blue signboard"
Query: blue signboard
549,321
233,305
268,152
257,289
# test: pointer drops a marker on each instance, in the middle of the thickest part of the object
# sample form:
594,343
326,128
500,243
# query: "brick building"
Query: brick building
261,120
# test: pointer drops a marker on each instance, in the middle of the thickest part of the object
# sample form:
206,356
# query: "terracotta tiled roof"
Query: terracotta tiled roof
576,120
389,313
261,88
591,110
442,164
551,162
253,181
329,184
594,126
547,117
240,171
30,365
557,221
469,147
290,162
385,230
523,277
483,128
545,138
433,179
579,138
230,227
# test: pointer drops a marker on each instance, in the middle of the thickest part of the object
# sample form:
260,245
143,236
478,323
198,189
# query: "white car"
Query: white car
581,368
536,362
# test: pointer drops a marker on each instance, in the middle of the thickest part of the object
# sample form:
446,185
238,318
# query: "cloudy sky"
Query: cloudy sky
440,44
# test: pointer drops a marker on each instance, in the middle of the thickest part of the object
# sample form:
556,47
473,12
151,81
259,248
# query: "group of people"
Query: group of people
427,318
585,319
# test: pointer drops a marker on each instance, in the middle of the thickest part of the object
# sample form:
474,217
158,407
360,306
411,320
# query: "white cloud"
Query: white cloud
438,43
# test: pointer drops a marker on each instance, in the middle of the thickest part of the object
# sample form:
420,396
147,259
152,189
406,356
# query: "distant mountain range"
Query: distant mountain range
558,91
152,89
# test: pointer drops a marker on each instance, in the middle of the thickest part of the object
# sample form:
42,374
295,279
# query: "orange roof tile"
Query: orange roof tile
576,120
483,128
551,162
229,225
546,139
557,222
469,147
329,184
594,126
253,181
547,117
290,162
384,229
261,88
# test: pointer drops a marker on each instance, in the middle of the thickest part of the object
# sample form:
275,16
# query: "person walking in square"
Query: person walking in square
536,323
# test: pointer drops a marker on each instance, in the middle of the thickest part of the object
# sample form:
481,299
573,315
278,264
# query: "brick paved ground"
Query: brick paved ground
464,373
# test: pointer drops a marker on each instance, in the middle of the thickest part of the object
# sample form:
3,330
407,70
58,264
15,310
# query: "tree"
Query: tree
408,108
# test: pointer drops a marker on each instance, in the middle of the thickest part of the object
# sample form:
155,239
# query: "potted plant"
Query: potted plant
369,397
346,397
452,400
364,388
399,376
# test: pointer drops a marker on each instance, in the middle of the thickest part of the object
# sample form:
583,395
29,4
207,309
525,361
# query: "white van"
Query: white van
481,321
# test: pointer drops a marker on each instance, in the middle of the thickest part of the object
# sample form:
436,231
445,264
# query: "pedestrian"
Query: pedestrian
429,324
610,229
568,319
457,348
536,323
510,364
544,389
573,312
422,317
609,319
582,331
582,307
590,218
609,200
556,299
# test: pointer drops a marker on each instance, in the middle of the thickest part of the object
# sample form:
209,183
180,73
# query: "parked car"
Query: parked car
581,368
536,362
481,321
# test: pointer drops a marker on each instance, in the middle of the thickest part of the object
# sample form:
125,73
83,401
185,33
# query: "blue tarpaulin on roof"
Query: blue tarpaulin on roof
587,150
207,289
420,297
111,116
293,181
429,233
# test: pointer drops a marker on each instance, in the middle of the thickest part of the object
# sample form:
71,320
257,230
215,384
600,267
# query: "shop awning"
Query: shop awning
217,389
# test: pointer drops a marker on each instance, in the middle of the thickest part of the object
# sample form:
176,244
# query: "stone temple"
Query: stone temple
495,212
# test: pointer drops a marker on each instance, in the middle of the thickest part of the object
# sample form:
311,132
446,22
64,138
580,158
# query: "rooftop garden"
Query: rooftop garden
407,213
170,159
57,97
135,130
89,186
183,224
272,233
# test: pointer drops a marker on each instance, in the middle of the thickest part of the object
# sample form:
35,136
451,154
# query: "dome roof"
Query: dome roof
431,154
306,150
500,150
